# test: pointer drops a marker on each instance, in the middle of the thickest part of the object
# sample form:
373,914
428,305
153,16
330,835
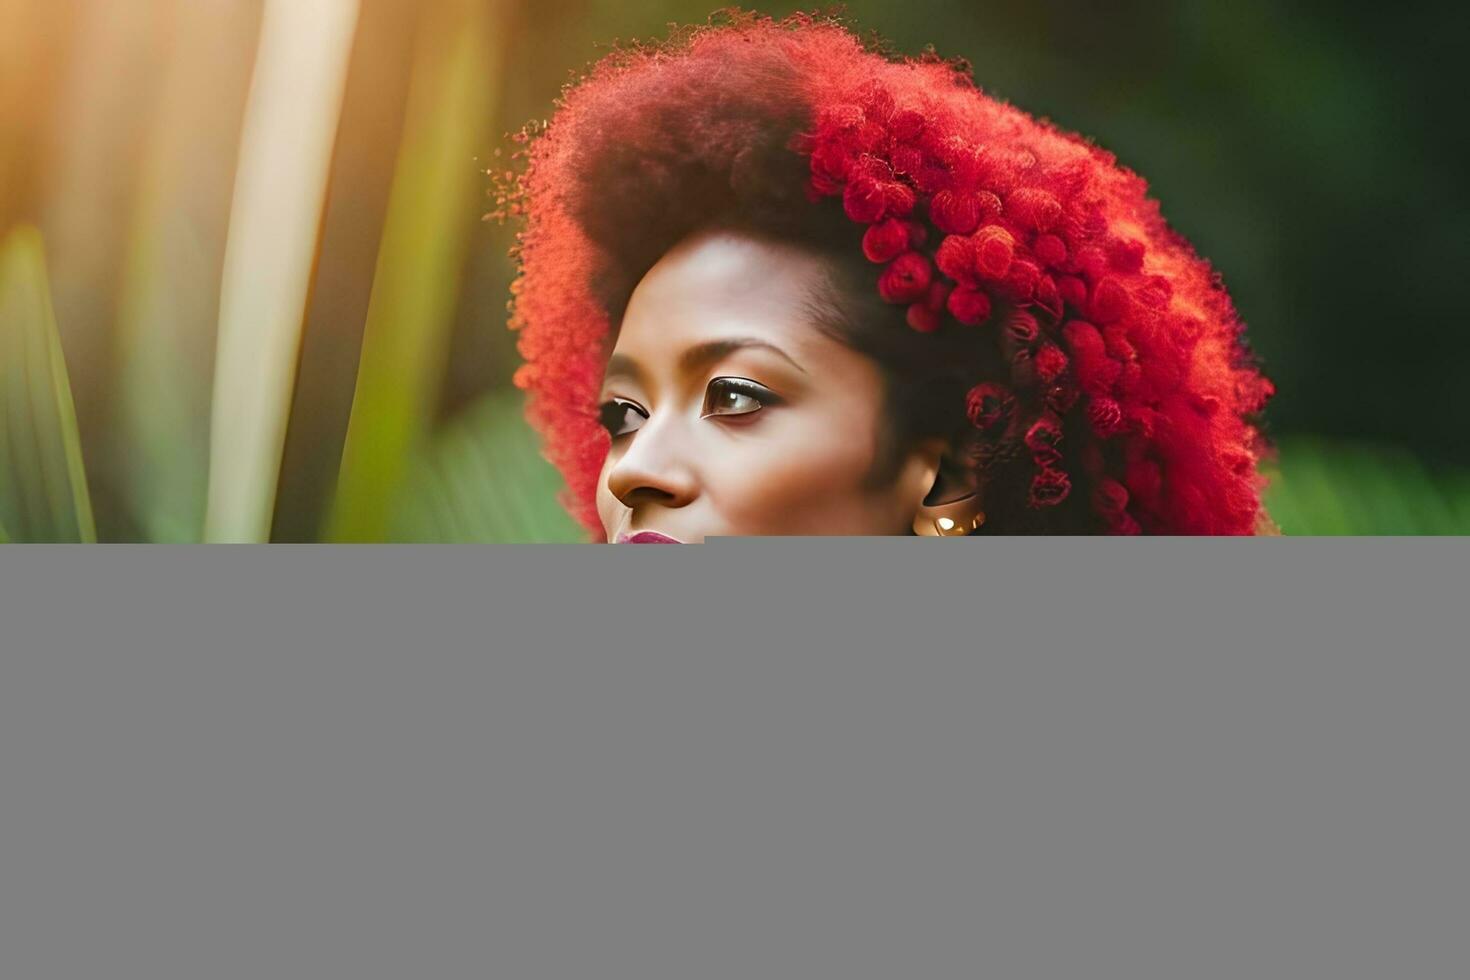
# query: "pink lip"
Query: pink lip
648,537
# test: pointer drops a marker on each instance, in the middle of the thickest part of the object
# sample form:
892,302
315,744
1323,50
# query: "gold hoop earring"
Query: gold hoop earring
952,519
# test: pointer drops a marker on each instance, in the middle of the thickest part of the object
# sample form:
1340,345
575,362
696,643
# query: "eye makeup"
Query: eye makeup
726,396
621,417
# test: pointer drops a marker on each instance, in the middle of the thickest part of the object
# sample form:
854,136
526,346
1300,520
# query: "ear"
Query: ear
941,496
928,475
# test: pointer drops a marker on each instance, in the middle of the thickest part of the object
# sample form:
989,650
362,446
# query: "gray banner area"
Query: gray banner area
850,758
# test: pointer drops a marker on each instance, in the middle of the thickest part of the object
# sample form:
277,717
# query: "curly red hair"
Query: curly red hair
1111,338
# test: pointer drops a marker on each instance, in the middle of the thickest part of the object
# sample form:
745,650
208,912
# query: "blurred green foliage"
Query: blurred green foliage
43,486
483,479
416,281
1325,488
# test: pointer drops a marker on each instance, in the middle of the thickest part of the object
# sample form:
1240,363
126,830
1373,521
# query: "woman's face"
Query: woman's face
733,413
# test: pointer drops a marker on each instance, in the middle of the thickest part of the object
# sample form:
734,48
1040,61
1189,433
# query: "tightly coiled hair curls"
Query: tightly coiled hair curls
1032,303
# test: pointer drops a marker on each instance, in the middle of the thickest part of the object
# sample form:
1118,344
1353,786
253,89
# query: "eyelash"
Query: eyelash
763,396
614,412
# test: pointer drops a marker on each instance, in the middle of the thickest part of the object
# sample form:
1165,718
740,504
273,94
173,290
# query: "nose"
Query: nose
654,469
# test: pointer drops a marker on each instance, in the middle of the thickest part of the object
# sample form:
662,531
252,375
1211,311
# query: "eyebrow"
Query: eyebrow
698,356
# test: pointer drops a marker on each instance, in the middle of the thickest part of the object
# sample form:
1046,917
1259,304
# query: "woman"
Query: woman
775,282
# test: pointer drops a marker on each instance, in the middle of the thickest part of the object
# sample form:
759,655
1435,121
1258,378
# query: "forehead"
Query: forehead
722,283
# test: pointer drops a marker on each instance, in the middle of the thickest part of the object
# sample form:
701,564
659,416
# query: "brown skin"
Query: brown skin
792,455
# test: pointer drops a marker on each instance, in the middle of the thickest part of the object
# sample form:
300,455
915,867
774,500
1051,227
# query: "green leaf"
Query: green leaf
416,282
484,480
43,484
281,176
162,348
1328,488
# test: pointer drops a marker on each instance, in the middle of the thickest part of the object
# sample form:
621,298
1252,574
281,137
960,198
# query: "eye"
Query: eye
736,396
620,417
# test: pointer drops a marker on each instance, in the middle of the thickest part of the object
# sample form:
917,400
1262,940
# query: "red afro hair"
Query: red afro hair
1119,385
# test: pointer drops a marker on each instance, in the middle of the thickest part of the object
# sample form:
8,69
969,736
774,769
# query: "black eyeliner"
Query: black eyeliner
754,389
613,405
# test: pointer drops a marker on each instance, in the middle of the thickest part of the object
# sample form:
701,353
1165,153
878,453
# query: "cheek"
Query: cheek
608,506
803,479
